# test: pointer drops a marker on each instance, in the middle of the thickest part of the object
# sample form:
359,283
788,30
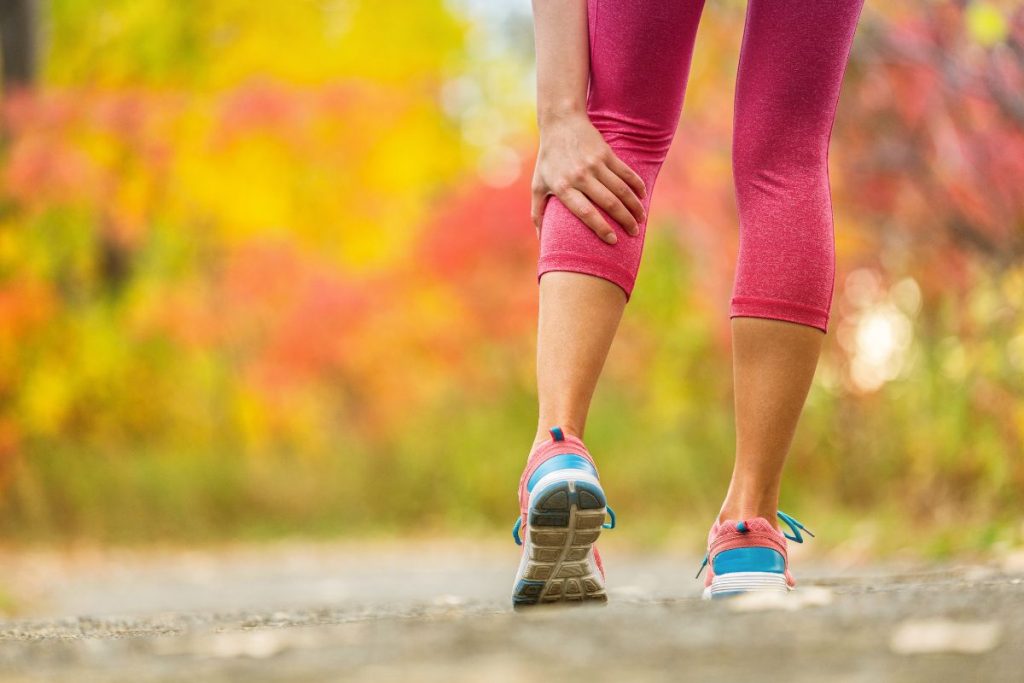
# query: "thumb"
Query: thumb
538,203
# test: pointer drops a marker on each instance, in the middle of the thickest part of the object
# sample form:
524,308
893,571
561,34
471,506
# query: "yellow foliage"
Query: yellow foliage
986,23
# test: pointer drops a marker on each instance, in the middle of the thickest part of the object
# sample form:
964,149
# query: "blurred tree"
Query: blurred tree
18,40
938,139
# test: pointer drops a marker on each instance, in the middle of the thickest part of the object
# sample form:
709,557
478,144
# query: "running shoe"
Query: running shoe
561,513
749,555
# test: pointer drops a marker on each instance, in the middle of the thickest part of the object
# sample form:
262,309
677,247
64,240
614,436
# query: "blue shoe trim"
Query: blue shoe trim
527,592
565,461
556,434
755,559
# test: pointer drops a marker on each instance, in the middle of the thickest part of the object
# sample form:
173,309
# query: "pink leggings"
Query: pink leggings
792,60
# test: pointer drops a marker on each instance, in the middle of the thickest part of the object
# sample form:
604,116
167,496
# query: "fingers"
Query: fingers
604,181
602,196
630,208
581,207
619,167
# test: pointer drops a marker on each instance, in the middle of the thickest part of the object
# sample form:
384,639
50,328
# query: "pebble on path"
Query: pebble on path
811,596
929,636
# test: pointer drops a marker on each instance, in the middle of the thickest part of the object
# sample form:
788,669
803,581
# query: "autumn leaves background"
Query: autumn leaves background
268,268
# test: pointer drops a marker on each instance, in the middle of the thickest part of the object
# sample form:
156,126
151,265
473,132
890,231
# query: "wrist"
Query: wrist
549,112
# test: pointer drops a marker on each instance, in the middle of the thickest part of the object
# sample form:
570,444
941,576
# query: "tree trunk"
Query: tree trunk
18,42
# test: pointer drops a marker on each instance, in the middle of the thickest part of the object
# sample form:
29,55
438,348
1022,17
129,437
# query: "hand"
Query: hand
576,165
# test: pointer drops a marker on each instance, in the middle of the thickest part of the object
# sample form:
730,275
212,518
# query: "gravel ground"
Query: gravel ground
440,612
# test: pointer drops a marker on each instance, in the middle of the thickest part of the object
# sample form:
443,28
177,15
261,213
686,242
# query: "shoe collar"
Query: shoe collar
560,443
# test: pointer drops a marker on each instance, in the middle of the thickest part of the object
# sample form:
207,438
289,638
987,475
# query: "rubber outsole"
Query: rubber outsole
564,522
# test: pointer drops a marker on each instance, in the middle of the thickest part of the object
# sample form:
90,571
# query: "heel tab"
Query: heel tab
557,434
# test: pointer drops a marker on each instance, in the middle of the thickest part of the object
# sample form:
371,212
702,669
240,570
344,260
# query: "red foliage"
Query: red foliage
25,304
295,318
933,141
43,170
482,243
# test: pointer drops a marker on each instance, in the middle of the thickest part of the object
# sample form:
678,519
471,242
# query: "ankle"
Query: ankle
568,427
749,506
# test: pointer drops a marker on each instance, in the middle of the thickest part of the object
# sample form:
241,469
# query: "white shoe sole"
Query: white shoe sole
726,585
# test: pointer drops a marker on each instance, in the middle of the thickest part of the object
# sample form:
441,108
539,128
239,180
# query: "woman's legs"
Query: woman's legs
639,61
792,61
576,324
773,364
791,66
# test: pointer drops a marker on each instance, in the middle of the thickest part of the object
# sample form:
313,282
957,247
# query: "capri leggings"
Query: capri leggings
792,60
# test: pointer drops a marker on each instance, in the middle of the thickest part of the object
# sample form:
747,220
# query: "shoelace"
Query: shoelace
795,526
519,525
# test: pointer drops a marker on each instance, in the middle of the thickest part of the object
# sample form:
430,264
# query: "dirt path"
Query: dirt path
440,612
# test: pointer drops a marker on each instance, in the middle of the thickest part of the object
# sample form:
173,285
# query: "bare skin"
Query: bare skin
568,362
774,361
773,365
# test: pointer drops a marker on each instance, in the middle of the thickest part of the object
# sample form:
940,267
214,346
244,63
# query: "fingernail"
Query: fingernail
612,239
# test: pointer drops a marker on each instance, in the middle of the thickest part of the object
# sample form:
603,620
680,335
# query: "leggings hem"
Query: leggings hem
574,262
778,309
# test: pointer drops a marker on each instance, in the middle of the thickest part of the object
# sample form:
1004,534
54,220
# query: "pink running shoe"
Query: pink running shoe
749,555
561,513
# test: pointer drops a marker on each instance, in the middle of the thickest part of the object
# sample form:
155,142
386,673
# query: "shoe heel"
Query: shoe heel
564,518
743,570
